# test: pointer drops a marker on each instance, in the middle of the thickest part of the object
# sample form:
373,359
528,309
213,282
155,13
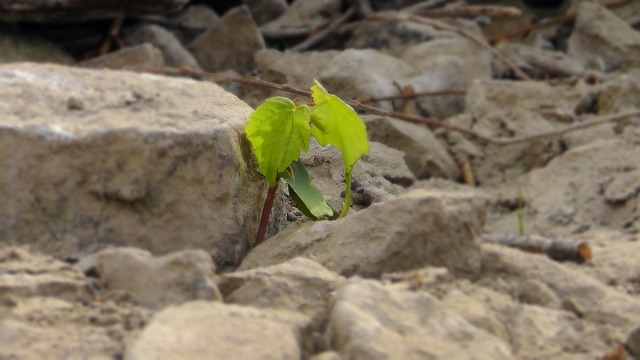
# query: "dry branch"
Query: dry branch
561,249
555,20
472,11
314,39
446,92
222,78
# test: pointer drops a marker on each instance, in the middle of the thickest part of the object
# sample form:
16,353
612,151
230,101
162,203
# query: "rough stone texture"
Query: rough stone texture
297,69
230,44
569,289
201,330
49,328
114,158
435,225
578,199
602,41
379,176
394,36
17,48
369,320
299,284
538,63
424,154
140,57
24,274
159,282
363,74
264,11
445,64
174,53
81,10
304,16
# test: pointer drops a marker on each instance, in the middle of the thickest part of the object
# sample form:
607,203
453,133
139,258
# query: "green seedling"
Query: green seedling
279,130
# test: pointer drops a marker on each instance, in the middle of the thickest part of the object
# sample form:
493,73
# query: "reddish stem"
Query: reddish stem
266,213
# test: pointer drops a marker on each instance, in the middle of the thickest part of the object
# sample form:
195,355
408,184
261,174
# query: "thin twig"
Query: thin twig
423,5
577,126
221,78
561,249
446,92
313,40
472,11
364,7
555,20
482,42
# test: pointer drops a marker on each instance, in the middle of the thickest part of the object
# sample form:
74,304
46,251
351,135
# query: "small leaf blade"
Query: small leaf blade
278,130
308,199
336,123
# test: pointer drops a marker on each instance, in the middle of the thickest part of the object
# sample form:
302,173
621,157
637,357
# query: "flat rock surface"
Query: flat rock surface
106,158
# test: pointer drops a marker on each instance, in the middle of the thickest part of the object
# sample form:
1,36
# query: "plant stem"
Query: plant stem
266,213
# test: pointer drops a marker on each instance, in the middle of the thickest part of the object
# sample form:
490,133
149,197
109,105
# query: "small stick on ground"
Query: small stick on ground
555,20
446,92
424,5
472,11
482,42
113,36
314,39
576,126
561,249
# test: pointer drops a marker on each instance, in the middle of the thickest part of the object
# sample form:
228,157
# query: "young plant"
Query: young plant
279,130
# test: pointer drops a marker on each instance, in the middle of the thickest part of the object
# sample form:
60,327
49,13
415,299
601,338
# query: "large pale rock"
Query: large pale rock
115,158
438,224
299,284
231,44
82,10
424,154
602,41
173,52
50,328
202,330
371,321
159,282
297,69
24,274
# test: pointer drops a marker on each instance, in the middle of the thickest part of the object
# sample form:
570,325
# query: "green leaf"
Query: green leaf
336,123
278,130
308,199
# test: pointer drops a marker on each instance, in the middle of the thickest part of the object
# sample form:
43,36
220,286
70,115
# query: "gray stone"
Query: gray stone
297,69
369,320
396,34
435,225
202,330
192,21
602,41
363,74
81,10
264,11
303,16
174,53
22,48
299,284
24,274
159,282
445,64
108,158
139,57
379,176
538,62
231,44
616,314
50,328
424,154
